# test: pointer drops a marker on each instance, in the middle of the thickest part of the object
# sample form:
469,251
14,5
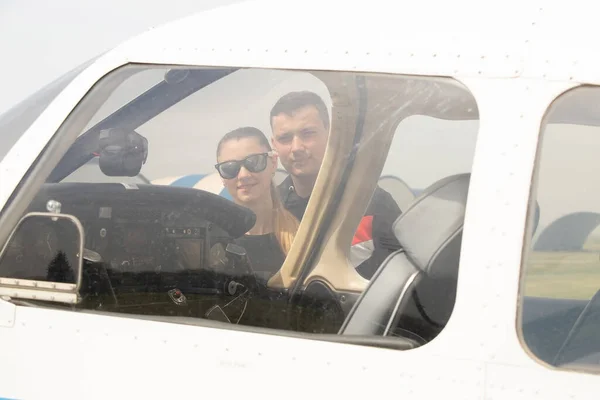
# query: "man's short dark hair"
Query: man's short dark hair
294,101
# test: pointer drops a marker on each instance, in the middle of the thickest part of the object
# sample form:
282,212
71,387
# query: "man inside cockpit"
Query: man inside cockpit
300,128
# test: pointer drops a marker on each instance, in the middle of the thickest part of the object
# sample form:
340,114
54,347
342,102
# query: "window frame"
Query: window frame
569,114
329,188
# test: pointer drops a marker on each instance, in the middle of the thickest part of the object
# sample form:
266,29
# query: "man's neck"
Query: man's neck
303,186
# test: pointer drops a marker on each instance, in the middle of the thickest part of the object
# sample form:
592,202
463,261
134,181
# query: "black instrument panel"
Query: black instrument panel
155,244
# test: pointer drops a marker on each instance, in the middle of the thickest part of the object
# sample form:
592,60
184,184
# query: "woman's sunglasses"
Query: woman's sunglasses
253,163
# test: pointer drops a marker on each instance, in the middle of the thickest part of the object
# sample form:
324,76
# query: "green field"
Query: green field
562,275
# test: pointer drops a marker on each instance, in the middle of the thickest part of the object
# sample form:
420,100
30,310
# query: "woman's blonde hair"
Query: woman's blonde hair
285,224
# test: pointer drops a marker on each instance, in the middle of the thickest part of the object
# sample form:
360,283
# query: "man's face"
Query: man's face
300,140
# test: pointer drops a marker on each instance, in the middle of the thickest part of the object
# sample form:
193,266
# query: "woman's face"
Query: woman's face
248,187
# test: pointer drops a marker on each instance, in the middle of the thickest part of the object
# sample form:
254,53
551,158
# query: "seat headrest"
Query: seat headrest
433,220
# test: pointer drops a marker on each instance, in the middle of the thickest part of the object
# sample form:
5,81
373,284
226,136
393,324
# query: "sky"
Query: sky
39,46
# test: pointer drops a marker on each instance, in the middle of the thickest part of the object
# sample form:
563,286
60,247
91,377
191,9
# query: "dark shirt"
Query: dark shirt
374,239
264,253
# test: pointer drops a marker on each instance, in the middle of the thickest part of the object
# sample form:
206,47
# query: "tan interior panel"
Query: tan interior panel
385,110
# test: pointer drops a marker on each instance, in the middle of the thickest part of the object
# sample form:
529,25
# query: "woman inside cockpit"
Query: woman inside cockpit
247,166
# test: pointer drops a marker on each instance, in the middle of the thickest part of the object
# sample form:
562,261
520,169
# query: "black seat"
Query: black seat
412,293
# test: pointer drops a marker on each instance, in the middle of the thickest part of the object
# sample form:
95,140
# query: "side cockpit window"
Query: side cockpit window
561,270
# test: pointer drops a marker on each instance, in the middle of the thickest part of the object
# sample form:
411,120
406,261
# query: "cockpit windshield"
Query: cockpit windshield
183,182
